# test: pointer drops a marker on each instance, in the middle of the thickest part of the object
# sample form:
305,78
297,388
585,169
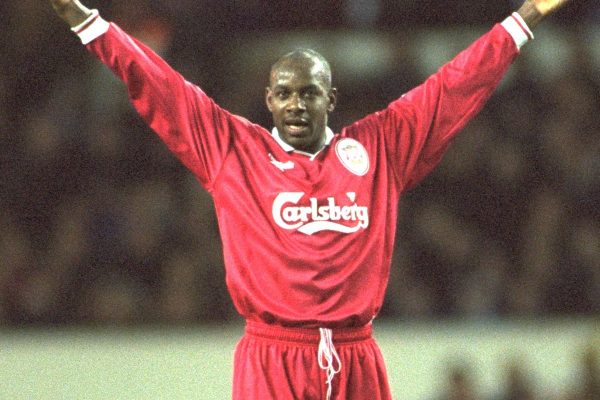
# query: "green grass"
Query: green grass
196,363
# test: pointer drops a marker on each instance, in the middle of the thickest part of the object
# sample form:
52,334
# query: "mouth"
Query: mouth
296,127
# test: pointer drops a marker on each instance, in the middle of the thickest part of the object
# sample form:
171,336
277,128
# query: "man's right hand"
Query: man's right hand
546,7
71,11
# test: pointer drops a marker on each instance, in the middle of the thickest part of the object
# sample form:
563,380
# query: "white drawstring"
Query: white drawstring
328,357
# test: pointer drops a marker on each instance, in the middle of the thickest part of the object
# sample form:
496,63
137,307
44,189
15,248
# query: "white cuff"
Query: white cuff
517,28
93,27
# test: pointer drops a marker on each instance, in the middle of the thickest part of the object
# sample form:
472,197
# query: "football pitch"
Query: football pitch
196,362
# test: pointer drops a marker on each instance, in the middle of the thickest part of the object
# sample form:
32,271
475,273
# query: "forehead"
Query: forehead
299,72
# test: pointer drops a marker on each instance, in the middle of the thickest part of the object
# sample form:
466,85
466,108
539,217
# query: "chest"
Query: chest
343,166
331,191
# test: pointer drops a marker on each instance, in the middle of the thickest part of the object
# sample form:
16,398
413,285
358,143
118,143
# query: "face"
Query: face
299,100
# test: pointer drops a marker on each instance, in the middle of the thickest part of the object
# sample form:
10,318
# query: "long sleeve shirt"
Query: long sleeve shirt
308,239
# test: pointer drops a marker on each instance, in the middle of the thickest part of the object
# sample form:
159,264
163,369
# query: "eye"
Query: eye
282,94
310,93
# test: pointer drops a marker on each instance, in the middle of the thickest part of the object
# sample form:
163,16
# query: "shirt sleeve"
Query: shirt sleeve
193,127
419,126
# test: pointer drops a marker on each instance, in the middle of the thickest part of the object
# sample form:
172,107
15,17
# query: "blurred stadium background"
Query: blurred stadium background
111,275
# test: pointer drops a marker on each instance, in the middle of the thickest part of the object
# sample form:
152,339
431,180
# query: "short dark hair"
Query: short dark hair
305,54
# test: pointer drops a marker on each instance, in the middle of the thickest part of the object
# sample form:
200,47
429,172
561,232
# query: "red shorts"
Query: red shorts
276,363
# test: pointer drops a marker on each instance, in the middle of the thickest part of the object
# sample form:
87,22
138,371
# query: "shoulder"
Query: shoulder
381,121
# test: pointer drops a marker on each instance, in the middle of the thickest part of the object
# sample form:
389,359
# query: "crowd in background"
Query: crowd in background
100,224
518,383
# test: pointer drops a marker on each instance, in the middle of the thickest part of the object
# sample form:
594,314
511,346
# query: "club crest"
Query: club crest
353,156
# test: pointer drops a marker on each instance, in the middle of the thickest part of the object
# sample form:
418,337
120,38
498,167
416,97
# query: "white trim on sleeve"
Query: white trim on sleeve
93,27
518,29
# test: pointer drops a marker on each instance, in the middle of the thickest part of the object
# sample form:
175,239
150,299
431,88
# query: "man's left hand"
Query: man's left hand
534,11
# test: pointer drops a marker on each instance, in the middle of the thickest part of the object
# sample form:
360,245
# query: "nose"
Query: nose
296,102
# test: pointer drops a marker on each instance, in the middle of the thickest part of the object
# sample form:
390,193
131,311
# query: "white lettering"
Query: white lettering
280,201
312,218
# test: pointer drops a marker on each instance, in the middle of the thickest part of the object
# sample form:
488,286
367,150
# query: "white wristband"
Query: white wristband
518,29
90,29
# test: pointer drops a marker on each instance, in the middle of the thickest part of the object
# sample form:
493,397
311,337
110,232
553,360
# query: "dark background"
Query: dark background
99,224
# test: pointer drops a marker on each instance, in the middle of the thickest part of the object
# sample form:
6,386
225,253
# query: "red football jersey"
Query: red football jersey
308,239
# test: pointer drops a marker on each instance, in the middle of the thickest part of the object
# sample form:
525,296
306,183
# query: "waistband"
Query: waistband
307,335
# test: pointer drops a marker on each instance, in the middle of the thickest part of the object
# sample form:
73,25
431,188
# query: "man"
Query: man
304,213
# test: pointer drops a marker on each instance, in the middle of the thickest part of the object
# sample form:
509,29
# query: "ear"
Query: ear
333,93
269,98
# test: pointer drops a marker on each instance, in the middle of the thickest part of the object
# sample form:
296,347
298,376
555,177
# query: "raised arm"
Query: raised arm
429,116
193,127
